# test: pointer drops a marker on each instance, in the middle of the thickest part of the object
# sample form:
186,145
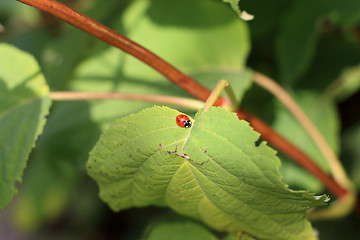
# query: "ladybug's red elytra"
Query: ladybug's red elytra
183,121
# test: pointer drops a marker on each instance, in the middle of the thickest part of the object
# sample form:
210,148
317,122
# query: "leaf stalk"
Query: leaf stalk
178,101
215,94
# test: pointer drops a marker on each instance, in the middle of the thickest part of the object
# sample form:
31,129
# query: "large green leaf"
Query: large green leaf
23,107
212,171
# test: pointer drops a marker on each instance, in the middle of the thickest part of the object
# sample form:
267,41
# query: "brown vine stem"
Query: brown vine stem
186,83
178,101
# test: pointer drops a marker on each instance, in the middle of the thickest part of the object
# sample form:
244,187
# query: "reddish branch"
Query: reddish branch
185,82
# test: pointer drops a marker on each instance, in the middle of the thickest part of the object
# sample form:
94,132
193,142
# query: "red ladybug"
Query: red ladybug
183,121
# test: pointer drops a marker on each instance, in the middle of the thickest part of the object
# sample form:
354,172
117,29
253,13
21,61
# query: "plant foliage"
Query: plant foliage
24,103
310,47
212,171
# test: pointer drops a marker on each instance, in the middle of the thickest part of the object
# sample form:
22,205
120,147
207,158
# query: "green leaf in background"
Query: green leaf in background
23,106
301,28
204,39
61,57
179,231
10,9
297,39
212,171
55,172
190,230
326,69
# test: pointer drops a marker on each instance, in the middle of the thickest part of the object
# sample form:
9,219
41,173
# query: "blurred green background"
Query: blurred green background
312,48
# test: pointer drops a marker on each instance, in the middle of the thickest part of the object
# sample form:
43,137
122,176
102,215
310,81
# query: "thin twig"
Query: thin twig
178,101
215,94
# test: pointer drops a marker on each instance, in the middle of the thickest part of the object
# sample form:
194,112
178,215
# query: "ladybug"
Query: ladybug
183,121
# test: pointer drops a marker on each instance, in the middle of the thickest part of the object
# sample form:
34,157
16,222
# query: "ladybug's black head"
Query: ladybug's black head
187,124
